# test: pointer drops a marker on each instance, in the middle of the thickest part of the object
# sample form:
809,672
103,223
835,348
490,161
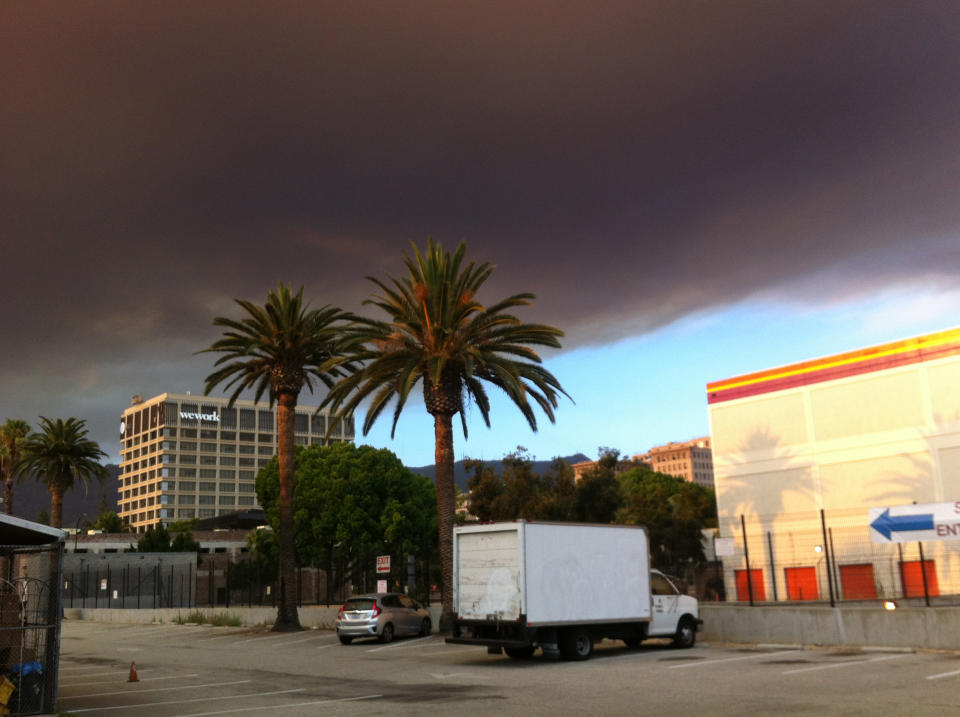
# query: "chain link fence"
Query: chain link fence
829,556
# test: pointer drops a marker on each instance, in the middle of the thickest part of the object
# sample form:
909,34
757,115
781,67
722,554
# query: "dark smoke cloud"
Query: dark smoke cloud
628,162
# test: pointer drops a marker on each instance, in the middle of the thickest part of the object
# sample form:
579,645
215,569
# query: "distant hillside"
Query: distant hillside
461,478
31,497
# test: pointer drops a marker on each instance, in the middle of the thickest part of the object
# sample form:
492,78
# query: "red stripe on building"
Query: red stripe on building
854,363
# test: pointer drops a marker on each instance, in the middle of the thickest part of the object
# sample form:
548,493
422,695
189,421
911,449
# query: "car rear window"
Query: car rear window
359,604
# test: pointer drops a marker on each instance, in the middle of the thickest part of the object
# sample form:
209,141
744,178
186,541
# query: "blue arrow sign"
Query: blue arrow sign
885,524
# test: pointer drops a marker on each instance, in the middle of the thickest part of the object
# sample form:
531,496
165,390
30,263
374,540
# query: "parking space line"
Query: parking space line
308,639
406,643
837,665
730,659
182,702
267,637
283,706
448,650
155,689
112,682
944,674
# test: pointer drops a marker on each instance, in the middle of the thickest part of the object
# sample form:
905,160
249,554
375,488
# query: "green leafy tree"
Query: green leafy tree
157,539
674,512
598,494
60,455
110,522
280,348
519,492
12,434
352,503
437,333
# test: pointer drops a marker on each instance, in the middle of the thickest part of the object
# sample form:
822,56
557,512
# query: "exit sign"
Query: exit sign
383,563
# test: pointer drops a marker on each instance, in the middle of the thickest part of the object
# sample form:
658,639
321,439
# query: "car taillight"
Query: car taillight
376,610
342,608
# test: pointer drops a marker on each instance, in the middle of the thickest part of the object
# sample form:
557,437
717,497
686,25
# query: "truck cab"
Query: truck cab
674,615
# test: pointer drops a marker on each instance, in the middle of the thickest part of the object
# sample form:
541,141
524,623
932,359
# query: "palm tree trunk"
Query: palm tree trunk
287,618
56,507
443,455
8,496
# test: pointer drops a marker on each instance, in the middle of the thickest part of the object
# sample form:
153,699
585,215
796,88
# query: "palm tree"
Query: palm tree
438,333
280,348
12,434
59,455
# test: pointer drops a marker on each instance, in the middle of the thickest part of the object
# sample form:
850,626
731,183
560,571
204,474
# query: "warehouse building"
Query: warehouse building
803,452
185,456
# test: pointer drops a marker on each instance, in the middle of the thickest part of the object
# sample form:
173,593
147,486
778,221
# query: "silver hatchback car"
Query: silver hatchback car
382,615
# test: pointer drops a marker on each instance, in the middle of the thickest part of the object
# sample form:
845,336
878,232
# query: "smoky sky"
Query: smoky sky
628,162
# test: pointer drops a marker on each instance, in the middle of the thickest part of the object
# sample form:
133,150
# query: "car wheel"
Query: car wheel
344,640
387,634
425,627
686,634
576,644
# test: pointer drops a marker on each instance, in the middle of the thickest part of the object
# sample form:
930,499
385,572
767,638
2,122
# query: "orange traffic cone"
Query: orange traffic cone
133,673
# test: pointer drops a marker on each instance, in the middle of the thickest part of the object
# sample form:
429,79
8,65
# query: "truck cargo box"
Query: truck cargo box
551,573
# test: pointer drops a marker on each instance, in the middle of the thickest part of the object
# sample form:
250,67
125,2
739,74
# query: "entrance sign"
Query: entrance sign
912,523
383,563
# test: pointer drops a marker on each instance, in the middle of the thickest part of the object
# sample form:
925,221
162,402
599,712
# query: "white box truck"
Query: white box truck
562,587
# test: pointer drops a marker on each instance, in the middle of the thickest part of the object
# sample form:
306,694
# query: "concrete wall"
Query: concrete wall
914,627
911,627
310,616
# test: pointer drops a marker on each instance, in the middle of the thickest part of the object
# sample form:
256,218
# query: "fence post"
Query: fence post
746,557
836,568
773,567
139,587
923,573
826,550
227,589
903,579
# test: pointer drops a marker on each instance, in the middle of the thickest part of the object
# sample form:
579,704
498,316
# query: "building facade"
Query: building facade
691,460
803,452
185,456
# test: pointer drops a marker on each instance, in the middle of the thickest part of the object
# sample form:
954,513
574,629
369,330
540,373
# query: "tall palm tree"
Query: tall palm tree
60,455
12,434
438,333
280,348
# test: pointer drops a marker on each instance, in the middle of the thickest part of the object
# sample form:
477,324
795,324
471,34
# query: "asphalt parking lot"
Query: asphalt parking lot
200,671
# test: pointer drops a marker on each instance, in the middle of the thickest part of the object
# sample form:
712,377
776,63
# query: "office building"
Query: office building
691,460
185,456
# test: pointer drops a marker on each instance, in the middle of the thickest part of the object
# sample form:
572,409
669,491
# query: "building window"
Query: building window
188,445
245,500
265,450
266,420
228,487
186,499
205,485
228,418
248,419
208,460
207,473
318,425
188,473
188,432
247,462
208,433
228,435
206,513
208,447
301,423
186,512
247,450
246,487
248,437
228,448
228,461
189,458
265,438
247,475
227,500
207,499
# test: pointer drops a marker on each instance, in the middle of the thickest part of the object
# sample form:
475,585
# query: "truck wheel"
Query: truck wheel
519,653
576,643
686,633
344,640
633,642
425,627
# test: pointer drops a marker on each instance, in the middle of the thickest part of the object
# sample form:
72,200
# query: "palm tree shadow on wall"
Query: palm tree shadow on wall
739,496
